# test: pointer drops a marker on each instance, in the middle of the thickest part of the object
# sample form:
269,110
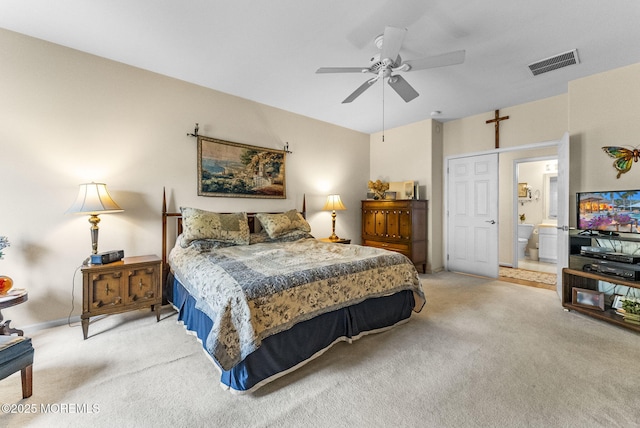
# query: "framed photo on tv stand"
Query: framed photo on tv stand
588,298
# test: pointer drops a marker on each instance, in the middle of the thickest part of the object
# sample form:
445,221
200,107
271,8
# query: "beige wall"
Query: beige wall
417,152
414,152
599,110
69,117
528,124
604,111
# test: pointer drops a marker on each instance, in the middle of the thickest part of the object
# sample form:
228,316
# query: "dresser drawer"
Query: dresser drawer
400,248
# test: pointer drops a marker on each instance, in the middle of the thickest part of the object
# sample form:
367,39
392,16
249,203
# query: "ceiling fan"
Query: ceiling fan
388,61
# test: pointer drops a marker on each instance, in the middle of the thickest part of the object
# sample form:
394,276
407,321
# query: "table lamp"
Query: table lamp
94,199
333,204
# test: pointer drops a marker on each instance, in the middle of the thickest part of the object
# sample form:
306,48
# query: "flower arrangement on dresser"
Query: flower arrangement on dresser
378,188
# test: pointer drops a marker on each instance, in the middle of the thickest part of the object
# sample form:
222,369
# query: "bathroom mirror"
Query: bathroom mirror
550,196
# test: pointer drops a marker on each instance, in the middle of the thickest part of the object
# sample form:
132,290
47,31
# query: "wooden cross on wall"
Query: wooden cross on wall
497,120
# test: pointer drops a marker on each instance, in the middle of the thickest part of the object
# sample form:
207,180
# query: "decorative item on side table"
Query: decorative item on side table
94,199
5,282
333,204
9,296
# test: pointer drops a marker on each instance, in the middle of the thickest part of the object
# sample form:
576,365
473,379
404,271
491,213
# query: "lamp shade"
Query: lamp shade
334,204
93,198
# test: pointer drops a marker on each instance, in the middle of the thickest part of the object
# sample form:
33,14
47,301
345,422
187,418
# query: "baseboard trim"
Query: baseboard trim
50,324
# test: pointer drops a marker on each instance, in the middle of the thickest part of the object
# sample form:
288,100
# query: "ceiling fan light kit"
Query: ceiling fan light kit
388,61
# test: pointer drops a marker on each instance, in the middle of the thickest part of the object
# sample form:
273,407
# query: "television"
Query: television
608,213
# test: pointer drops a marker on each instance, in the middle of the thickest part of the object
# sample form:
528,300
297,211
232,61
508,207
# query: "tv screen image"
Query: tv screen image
609,212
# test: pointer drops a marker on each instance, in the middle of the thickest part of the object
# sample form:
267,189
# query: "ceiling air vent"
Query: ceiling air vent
553,63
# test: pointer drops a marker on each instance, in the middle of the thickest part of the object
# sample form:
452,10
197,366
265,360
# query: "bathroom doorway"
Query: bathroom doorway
535,243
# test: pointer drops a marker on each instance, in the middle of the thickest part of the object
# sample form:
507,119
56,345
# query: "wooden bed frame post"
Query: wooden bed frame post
165,266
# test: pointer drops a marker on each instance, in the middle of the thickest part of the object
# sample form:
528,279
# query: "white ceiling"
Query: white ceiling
268,51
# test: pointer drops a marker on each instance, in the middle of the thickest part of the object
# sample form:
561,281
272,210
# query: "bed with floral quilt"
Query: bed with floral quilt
264,297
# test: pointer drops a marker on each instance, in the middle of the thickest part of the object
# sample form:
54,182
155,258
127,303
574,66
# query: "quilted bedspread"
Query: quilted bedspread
253,291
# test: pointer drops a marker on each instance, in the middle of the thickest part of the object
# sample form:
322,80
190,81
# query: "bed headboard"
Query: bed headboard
251,217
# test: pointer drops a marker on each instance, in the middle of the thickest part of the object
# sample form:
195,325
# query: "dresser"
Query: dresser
130,284
399,225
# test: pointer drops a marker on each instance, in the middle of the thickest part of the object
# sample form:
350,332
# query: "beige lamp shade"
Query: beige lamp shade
94,199
334,204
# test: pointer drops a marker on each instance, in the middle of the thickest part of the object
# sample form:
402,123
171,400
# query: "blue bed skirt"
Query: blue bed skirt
290,349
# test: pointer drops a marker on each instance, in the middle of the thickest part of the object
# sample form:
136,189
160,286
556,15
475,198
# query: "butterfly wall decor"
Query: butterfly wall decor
624,158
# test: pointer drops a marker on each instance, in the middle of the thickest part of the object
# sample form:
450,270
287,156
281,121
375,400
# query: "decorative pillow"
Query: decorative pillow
200,224
277,225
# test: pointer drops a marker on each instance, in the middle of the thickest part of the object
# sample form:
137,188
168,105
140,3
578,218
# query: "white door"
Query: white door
472,215
563,208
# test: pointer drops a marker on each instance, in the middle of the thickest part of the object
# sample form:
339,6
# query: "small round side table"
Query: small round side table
7,302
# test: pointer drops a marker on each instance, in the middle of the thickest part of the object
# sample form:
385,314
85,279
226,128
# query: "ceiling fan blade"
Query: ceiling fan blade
403,88
392,42
360,90
450,58
342,70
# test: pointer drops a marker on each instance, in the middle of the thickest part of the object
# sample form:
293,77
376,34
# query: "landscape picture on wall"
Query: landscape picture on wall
239,170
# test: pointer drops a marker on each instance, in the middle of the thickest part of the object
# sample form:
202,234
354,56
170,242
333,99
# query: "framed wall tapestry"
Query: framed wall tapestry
239,170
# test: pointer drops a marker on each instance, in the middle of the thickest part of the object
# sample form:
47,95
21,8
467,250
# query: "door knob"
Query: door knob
491,221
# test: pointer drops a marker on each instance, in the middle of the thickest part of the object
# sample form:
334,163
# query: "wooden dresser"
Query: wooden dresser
399,225
130,284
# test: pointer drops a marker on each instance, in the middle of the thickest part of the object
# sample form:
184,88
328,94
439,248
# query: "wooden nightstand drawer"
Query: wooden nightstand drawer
105,291
141,284
130,284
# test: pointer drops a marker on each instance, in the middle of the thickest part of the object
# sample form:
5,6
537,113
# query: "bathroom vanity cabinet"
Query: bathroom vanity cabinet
548,244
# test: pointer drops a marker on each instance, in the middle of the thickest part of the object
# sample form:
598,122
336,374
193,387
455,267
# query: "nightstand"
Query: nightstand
130,284
336,241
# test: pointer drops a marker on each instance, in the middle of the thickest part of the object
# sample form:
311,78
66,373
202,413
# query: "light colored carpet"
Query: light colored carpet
529,275
482,353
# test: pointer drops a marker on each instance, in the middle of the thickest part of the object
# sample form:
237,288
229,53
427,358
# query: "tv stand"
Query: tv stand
579,279
575,277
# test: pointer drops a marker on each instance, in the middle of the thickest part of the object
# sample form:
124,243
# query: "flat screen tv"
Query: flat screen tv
609,213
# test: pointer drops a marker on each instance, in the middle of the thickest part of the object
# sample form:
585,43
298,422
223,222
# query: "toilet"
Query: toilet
524,233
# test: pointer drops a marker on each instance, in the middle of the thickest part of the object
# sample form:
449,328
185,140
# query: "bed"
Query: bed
264,297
